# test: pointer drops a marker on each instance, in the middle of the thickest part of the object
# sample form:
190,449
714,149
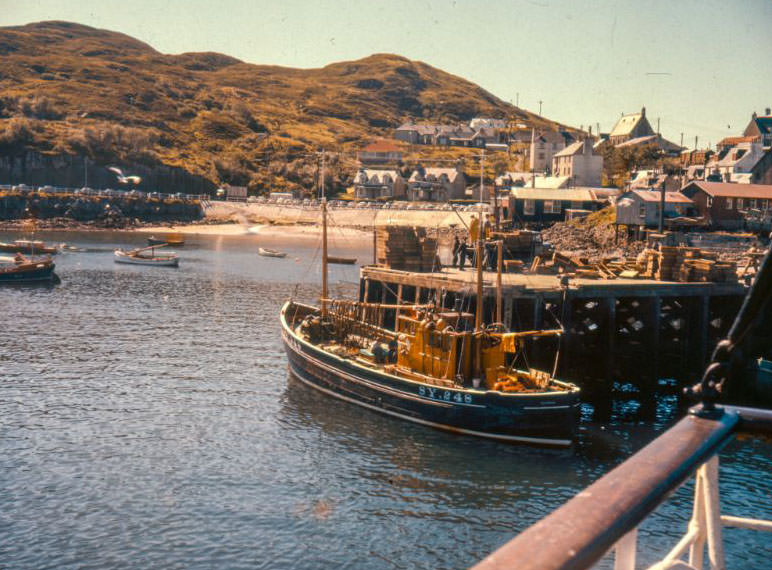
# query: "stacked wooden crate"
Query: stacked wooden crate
667,269
406,248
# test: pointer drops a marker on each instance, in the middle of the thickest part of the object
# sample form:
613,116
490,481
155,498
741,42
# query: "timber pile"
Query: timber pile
686,264
518,243
406,248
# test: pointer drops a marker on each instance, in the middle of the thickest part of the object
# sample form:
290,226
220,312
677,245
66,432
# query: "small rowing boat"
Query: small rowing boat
341,260
147,256
265,252
174,238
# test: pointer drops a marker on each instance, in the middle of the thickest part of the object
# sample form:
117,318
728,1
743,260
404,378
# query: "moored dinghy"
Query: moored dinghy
147,256
265,252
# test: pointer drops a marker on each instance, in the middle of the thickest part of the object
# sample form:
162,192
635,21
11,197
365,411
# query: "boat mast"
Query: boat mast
479,312
324,242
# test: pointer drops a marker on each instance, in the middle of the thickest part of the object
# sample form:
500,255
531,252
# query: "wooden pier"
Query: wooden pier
632,331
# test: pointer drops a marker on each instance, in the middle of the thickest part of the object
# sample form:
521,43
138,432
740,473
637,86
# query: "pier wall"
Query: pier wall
622,335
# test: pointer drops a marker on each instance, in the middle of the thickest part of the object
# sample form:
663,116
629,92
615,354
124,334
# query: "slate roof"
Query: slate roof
656,196
626,124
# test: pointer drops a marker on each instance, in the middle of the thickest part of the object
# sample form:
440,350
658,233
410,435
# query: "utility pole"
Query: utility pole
682,141
517,99
540,102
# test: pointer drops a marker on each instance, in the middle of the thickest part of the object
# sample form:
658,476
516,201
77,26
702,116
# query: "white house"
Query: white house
580,163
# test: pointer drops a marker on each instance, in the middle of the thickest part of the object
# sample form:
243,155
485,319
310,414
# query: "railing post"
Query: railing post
713,515
697,523
624,554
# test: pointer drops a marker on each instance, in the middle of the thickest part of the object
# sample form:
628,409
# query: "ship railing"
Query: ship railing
605,516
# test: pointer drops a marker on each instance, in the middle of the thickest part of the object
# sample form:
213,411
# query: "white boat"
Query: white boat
144,257
270,252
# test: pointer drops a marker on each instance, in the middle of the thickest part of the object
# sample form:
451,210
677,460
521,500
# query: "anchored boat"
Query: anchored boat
174,238
147,256
20,269
440,368
31,247
265,252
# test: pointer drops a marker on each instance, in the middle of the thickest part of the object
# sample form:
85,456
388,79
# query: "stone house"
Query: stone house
544,145
629,127
372,184
436,185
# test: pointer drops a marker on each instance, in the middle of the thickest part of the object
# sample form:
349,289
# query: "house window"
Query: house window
710,201
642,211
740,204
752,203
576,205
529,207
547,206
729,204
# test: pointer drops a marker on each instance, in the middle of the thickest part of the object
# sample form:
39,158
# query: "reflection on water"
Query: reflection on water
148,420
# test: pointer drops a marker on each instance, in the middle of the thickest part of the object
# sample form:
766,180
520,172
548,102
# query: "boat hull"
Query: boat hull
131,260
28,249
41,272
546,419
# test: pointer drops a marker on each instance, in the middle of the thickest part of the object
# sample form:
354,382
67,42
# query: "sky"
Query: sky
701,67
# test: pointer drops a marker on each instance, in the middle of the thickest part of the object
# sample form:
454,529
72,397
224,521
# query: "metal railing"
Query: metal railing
607,514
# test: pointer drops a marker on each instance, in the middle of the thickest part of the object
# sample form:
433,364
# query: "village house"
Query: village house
436,185
744,162
725,205
634,130
544,145
380,152
641,208
579,163
761,127
654,180
511,180
370,184
545,205
483,122
696,157
632,126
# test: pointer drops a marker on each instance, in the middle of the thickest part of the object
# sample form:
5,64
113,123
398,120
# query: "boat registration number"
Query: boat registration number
444,395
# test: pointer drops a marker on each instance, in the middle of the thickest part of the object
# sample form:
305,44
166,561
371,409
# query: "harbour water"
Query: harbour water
147,421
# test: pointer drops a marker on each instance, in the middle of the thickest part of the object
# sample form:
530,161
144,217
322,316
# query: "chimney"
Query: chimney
643,111
768,111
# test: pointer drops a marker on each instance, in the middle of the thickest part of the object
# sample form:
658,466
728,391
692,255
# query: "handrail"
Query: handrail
581,531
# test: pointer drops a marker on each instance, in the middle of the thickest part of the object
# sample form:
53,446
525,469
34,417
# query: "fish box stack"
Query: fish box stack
668,256
406,248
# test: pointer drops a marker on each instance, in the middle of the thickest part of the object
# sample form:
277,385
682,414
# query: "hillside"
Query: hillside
68,89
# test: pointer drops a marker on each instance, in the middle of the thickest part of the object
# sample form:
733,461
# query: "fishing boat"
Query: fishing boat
265,252
30,247
439,368
147,256
174,238
20,269
342,260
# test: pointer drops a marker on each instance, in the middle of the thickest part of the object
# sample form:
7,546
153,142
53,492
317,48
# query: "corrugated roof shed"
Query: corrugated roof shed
656,196
728,190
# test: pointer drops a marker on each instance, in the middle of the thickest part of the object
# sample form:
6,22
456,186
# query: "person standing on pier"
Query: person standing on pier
456,250
462,254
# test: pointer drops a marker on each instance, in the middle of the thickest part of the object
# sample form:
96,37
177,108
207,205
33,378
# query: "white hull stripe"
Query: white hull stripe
516,438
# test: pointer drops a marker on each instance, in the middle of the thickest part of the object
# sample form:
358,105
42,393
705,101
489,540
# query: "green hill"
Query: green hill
68,89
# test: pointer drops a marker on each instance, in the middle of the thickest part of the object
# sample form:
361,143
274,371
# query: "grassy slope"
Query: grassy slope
68,88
